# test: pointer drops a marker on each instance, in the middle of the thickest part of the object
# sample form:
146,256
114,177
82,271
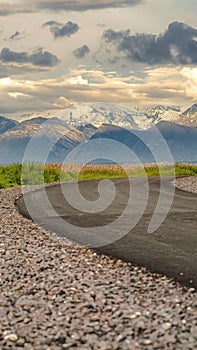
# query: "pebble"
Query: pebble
166,326
188,184
10,337
147,341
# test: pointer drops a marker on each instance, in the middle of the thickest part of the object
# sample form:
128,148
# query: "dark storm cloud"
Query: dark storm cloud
44,58
39,58
63,5
81,51
176,45
84,5
60,30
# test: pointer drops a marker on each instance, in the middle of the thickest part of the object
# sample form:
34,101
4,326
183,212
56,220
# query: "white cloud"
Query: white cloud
190,75
172,85
78,80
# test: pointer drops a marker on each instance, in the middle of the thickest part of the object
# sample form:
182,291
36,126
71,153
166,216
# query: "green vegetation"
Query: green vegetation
33,174
10,176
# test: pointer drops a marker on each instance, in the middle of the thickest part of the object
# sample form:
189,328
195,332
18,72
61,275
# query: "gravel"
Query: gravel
56,295
187,183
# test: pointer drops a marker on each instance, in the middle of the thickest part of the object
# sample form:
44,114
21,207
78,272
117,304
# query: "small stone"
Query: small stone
120,338
166,326
133,316
11,337
20,342
170,339
138,313
68,345
147,341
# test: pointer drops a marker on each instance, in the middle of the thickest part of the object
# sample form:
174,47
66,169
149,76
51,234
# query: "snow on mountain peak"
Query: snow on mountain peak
106,113
136,117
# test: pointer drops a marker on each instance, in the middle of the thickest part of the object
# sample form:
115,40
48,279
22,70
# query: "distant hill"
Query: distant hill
181,140
6,124
13,142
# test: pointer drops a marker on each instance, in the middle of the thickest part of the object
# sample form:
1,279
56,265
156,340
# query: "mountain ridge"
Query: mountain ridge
62,135
6,124
140,117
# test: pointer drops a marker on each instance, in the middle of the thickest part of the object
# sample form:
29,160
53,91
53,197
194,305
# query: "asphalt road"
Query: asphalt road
122,230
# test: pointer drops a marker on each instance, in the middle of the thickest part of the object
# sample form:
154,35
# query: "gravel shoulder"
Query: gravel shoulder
56,295
187,183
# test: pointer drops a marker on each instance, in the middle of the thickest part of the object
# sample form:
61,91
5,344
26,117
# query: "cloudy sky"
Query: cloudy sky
55,54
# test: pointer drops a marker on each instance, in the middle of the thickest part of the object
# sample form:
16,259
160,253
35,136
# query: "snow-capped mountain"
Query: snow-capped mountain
106,113
136,117
192,110
159,113
140,118
189,117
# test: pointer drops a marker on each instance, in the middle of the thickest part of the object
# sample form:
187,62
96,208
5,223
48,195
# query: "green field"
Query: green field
33,174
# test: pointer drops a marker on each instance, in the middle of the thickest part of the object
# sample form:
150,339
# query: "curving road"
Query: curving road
170,250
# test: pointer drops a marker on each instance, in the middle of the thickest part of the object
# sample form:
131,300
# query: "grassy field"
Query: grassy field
33,174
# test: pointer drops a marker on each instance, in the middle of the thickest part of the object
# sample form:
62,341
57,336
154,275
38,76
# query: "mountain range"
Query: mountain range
141,117
133,127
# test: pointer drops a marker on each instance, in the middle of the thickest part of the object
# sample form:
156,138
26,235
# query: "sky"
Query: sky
55,54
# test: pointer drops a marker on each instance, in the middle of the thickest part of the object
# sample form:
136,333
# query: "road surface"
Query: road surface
170,250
